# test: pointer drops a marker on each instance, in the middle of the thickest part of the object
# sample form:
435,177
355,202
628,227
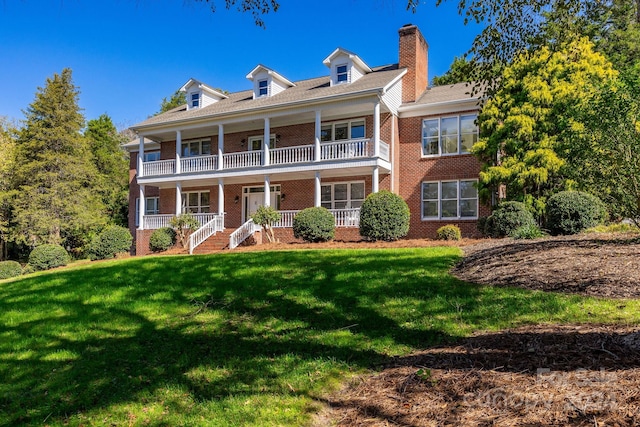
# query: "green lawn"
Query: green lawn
238,338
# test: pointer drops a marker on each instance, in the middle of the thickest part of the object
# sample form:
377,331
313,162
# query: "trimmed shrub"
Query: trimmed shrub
9,269
314,225
526,232
384,216
184,224
570,212
449,232
162,239
111,241
28,269
508,217
48,256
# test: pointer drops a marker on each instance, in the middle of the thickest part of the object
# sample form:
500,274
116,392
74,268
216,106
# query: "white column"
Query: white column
141,208
267,191
265,140
374,180
317,135
376,129
318,191
178,150
220,146
220,196
178,198
140,156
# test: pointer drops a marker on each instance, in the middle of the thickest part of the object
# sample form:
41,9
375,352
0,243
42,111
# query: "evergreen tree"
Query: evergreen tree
56,201
7,157
176,100
112,164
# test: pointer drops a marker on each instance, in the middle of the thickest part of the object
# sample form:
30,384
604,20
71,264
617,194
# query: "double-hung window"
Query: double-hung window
342,130
342,74
342,195
449,135
195,100
196,148
449,200
263,87
151,156
151,207
195,202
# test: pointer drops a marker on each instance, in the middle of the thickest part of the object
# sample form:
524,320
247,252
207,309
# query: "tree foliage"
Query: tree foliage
7,158
55,200
460,71
257,8
184,224
176,100
266,216
526,125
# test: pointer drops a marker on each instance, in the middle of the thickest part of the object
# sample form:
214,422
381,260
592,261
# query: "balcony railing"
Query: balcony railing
343,218
153,222
329,151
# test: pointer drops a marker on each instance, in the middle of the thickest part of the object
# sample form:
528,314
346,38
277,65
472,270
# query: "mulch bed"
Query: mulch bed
541,375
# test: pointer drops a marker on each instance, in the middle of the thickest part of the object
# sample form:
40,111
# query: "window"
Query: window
195,202
449,135
196,148
151,156
255,142
450,200
151,207
263,88
342,195
342,130
342,75
195,100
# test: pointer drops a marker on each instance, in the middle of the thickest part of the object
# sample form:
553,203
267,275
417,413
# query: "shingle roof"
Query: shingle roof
306,90
444,93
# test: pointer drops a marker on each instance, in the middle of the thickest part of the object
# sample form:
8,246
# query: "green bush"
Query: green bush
449,232
111,241
28,269
9,269
526,232
314,225
384,216
508,217
48,256
184,224
162,239
619,227
570,212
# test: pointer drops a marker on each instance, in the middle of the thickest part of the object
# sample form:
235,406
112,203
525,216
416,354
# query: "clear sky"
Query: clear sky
126,55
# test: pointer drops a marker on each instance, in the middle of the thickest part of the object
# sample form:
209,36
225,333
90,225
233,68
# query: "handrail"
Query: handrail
292,155
242,233
204,163
207,230
158,167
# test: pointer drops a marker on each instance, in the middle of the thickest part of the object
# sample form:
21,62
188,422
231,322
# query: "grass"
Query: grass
251,338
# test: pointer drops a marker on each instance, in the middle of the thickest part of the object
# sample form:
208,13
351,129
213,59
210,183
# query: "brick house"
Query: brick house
326,141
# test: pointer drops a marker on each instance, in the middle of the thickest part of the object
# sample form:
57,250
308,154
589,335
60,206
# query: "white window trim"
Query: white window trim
439,119
147,153
439,200
199,141
267,87
190,99
272,141
349,198
349,123
185,201
347,73
156,211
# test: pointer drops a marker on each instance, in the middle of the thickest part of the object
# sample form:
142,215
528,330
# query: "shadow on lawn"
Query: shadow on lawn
113,334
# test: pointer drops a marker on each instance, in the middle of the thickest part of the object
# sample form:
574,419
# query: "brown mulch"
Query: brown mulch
542,375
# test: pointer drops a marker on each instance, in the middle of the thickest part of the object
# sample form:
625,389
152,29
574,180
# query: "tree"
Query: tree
526,126
266,216
112,166
460,71
54,175
608,146
176,100
257,8
7,158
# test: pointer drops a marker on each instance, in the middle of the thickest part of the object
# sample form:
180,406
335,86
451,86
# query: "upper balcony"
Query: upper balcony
339,151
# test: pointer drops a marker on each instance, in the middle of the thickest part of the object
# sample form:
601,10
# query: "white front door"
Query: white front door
256,199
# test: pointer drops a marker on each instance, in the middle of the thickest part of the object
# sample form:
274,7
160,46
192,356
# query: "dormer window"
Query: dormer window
200,95
342,74
263,87
195,100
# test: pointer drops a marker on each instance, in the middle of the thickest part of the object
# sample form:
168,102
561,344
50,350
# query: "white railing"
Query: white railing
384,150
153,222
352,149
242,233
205,231
346,217
159,167
290,155
198,164
286,219
245,159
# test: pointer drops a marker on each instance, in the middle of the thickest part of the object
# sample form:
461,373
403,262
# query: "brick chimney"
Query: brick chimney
414,56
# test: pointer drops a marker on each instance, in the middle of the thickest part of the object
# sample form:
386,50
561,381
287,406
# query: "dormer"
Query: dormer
267,82
200,95
346,67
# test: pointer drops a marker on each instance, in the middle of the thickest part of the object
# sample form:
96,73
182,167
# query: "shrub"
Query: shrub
28,269
314,225
9,269
508,217
449,232
526,232
162,239
184,225
111,241
48,256
570,212
384,216
620,227
266,216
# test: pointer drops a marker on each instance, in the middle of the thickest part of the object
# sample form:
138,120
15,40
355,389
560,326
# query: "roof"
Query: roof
355,58
269,71
202,86
312,90
446,93
135,144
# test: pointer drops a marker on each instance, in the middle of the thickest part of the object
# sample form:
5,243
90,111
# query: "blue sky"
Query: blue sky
126,55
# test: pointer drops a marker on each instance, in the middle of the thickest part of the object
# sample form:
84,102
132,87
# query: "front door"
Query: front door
254,198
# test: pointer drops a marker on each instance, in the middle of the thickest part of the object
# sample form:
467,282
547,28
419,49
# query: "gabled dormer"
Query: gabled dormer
267,82
200,95
345,66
